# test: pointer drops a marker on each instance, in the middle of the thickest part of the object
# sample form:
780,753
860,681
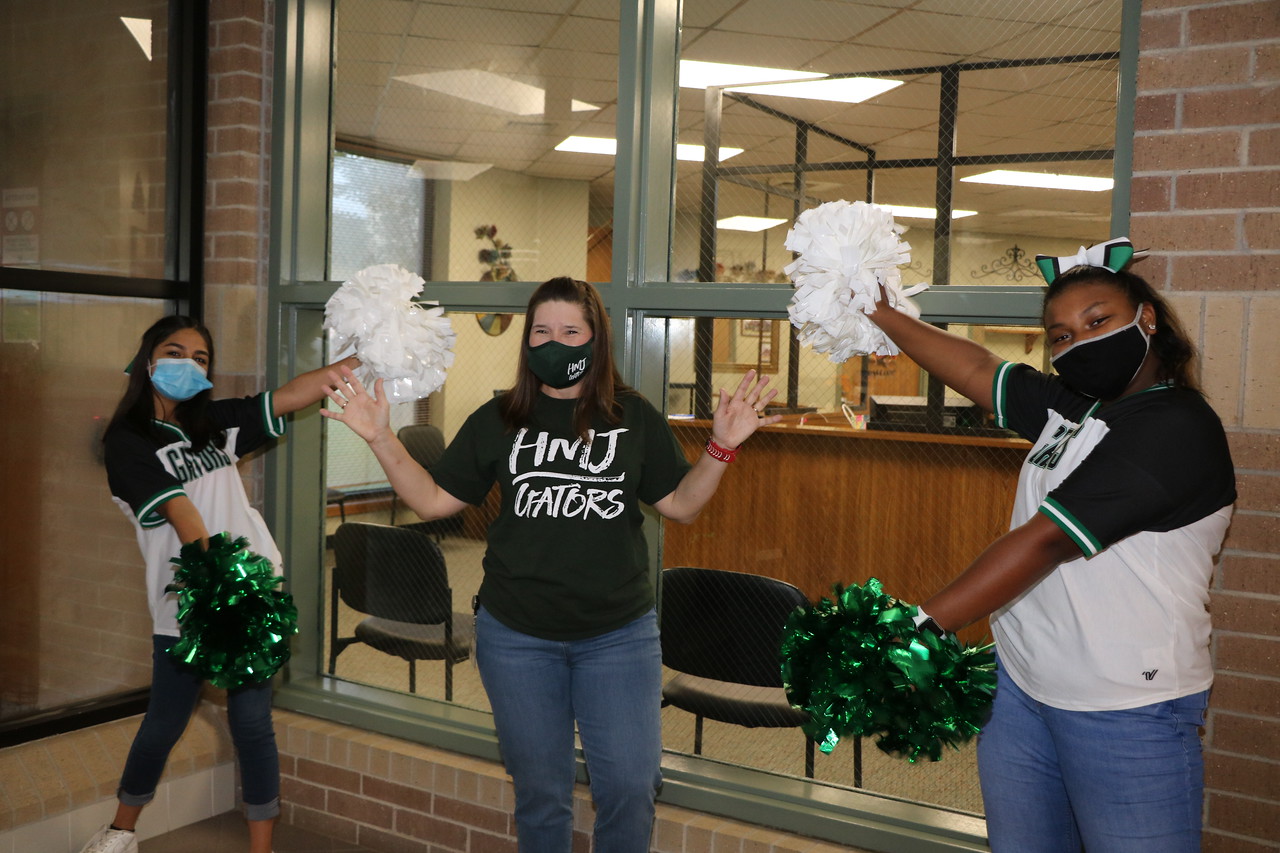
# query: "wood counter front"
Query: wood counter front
820,504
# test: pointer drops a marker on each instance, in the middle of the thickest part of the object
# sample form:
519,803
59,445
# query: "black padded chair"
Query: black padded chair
722,634
425,444
397,577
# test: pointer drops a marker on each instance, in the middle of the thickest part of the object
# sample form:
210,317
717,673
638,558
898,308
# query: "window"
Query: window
574,152
97,194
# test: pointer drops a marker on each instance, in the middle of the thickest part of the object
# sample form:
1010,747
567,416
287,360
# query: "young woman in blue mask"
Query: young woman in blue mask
1098,592
566,630
171,453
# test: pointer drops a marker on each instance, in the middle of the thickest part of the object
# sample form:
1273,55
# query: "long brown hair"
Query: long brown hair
137,407
1172,346
601,385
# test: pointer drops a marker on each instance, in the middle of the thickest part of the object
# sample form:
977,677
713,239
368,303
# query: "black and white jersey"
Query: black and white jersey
1144,486
144,472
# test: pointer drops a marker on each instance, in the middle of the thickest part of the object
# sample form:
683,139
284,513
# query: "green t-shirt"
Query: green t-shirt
566,557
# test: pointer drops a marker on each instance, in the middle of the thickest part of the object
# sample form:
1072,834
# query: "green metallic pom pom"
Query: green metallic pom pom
859,667
235,623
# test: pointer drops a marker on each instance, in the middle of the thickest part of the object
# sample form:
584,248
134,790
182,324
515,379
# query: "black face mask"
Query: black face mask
559,365
1103,367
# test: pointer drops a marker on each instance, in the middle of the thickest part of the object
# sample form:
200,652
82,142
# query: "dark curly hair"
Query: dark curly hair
1176,353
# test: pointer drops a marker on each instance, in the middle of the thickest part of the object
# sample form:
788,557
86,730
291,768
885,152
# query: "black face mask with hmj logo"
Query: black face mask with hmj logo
559,365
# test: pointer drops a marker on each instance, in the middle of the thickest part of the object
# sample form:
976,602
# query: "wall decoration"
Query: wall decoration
1012,266
498,260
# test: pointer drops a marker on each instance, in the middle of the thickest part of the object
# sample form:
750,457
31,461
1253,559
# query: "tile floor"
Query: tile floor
226,833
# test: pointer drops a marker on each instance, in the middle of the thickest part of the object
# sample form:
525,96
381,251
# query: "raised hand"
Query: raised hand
737,417
367,415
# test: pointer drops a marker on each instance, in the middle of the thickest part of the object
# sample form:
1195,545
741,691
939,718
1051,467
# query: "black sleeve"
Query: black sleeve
136,476
664,461
461,470
1161,466
253,415
1022,398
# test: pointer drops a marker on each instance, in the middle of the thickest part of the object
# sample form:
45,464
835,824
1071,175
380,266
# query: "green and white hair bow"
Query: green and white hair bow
1111,255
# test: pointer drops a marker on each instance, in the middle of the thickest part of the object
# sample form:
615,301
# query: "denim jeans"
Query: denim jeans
174,692
612,686
1128,781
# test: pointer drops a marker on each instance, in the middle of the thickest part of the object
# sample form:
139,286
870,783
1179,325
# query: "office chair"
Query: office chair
425,444
722,634
397,578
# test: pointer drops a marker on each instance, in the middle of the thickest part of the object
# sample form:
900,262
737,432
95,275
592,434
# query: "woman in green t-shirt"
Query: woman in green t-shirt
566,630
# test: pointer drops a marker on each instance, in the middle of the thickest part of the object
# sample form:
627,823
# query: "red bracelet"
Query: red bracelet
724,454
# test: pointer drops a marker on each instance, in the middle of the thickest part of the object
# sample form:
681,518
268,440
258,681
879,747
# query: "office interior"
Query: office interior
488,146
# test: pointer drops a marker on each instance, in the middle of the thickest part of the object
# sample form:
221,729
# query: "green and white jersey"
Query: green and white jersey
566,557
1144,485
144,471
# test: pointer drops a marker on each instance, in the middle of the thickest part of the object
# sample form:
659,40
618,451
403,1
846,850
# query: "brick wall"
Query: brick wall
237,201
1206,200
392,796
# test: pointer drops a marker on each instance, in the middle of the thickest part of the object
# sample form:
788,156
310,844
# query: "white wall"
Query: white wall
545,222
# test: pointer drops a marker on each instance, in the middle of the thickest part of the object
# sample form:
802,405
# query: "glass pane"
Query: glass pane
486,352
873,485
377,215
823,101
83,180
474,102
74,622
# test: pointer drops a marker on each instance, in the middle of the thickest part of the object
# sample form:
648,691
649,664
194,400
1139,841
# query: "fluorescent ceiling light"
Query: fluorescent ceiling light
589,145
812,85
696,153
847,90
1041,180
140,29
444,170
491,90
748,223
604,145
908,212
700,75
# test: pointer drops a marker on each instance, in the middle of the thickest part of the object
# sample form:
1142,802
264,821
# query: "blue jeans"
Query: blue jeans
1127,781
612,686
174,692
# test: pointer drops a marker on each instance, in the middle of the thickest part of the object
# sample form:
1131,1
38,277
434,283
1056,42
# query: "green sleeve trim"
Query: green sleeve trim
173,428
999,386
275,426
1071,526
148,516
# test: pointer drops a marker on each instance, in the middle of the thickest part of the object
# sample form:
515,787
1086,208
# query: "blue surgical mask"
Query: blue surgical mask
179,378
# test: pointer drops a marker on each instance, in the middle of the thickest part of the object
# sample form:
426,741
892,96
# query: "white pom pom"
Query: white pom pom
407,344
846,252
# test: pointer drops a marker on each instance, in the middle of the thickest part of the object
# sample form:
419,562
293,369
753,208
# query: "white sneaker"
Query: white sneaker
108,840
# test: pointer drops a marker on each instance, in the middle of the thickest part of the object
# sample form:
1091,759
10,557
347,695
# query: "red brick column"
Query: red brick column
237,203
1206,200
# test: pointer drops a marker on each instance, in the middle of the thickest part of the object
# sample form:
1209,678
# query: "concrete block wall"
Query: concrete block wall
1206,200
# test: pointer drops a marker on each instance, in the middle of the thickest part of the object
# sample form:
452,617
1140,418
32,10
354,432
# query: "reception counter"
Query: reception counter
817,502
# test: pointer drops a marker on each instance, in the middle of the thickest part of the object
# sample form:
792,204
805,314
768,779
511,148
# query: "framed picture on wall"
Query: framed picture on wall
747,344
